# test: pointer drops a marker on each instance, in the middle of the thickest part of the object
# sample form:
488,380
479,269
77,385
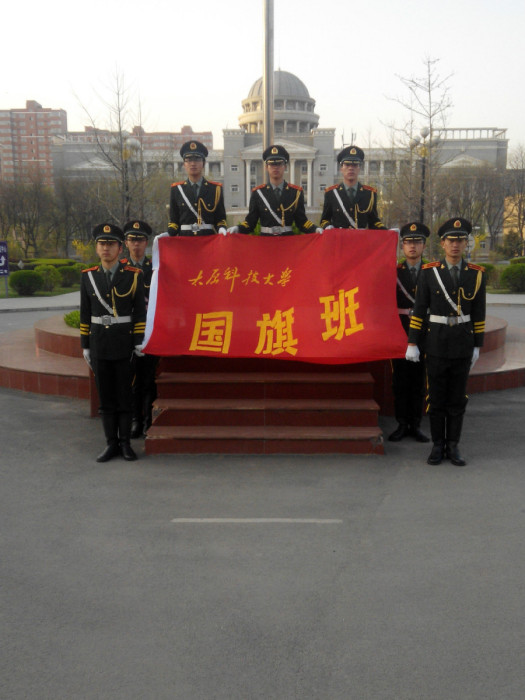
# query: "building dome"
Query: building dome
293,107
284,84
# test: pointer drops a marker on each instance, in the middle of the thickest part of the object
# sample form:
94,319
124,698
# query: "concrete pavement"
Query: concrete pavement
406,581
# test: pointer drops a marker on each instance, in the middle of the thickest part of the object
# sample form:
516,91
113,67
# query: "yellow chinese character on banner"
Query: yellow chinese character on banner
253,277
214,278
268,279
231,273
286,276
276,334
212,332
339,314
197,280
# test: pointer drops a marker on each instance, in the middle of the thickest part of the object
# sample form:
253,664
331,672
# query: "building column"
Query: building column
206,168
247,175
310,181
292,170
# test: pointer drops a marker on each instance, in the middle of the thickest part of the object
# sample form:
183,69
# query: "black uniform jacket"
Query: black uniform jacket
363,212
449,339
405,294
290,209
209,207
147,272
126,298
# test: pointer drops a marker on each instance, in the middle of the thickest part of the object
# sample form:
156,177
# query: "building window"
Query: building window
304,169
235,188
322,187
253,169
234,168
322,168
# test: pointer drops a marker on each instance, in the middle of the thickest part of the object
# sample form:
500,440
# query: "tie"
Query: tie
351,196
108,279
413,275
454,275
277,193
195,191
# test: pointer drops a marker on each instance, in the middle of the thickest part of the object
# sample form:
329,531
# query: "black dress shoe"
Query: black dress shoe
454,456
399,433
418,435
127,452
436,455
136,429
112,450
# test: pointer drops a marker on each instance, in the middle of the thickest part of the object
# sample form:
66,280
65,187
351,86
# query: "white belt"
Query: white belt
276,230
449,320
110,320
195,227
404,312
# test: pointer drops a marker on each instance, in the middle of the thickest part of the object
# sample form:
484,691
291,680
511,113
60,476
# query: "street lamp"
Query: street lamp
423,148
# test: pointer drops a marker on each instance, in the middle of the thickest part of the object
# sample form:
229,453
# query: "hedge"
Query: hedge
26,282
50,275
513,277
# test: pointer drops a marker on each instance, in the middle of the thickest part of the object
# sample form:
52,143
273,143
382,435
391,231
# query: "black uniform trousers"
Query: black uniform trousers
114,380
408,382
447,385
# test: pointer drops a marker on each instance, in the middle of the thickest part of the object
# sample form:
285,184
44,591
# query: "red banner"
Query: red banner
328,298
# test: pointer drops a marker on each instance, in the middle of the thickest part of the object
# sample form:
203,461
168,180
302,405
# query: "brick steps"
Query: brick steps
265,412
251,412
206,439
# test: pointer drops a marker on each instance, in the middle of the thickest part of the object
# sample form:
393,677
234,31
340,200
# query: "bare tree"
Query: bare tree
515,201
417,142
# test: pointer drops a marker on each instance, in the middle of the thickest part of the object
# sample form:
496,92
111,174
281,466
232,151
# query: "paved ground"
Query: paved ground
407,581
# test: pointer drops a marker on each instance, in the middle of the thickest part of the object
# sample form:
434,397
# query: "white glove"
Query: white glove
412,353
327,227
319,230
87,356
222,231
233,229
138,351
475,357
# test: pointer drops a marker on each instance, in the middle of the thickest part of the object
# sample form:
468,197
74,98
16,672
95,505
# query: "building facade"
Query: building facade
26,140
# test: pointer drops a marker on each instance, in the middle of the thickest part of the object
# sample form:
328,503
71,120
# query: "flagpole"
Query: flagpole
268,75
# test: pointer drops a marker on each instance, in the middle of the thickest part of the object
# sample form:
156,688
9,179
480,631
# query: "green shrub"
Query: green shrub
72,319
492,274
69,275
26,282
50,275
513,277
517,261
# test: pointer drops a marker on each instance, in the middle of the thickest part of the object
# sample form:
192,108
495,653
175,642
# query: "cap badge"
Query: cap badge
136,224
193,146
353,152
274,151
413,227
107,229
457,223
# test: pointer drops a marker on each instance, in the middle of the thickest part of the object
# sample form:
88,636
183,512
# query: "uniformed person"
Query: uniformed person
408,378
453,291
196,204
350,204
136,235
277,204
112,325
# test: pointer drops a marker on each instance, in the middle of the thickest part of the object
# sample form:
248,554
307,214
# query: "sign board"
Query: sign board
4,259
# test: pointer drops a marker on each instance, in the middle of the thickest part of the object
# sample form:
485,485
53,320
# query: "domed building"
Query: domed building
293,107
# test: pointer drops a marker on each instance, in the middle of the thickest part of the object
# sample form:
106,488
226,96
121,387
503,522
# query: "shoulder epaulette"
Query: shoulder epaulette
369,187
295,187
130,268
471,266
427,266
124,261
400,265
332,187
91,269
174,184
259,187
219,184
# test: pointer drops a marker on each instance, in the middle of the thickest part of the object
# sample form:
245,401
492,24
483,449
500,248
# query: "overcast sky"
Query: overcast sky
194,62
